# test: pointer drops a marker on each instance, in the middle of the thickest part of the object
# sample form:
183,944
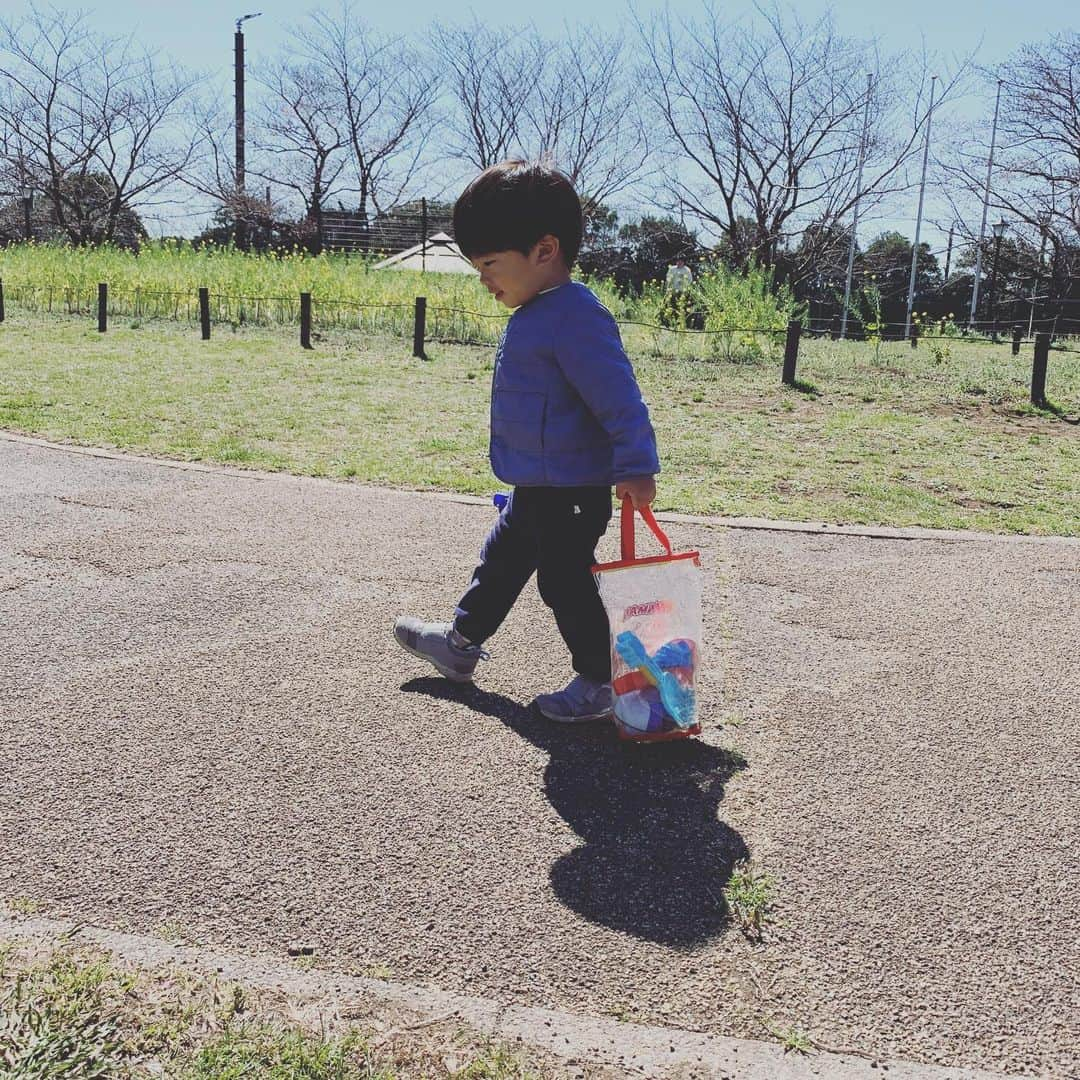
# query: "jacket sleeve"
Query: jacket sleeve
590,354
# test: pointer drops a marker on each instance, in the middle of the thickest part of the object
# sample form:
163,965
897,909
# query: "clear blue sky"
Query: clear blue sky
198,33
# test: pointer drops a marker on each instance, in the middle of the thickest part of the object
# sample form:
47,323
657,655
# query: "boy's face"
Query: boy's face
514,279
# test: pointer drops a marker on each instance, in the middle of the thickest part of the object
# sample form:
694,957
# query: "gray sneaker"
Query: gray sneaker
431,642
580,701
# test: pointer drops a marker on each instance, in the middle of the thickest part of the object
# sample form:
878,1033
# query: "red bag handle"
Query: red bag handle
627,537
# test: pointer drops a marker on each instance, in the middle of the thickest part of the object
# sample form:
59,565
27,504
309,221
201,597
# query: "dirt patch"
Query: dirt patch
1019,422
982,504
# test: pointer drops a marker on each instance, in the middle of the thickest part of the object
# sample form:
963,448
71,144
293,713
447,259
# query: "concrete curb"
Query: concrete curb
631,1048
872,532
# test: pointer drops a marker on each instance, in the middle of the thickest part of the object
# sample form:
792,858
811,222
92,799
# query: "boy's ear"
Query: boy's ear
547,248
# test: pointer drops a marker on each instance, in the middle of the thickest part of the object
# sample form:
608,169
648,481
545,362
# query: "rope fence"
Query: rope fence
466,327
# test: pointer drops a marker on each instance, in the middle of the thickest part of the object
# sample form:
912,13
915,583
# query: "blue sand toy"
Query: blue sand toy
678,700
674,654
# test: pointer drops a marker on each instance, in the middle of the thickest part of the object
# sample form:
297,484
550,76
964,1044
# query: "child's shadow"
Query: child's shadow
656,857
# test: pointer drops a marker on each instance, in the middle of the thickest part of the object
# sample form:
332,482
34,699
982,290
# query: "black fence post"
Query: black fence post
1038,369
204,313
1,299
419,327
914,335
305,320
834,328
102,307
791,351
1018,336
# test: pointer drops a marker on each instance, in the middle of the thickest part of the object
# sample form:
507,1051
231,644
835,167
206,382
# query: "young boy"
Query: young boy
567,422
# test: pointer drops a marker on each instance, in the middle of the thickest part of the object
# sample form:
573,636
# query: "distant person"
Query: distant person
679,276
567,422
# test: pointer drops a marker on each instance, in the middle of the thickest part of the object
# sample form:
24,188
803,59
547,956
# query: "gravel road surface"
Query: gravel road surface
206,730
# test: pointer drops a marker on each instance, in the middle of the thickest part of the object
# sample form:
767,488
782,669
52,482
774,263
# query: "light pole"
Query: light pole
1044,224
855,208
985,207
26,193
238,51
918,216
999,228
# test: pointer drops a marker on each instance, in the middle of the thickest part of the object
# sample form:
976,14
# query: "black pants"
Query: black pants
554,532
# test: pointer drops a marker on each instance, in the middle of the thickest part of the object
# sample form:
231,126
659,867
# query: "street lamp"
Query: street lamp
999,228
238,49
1044,225
26,193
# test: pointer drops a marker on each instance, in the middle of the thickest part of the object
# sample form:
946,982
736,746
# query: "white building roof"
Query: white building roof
440,254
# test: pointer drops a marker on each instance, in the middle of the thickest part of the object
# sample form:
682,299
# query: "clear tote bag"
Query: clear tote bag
654,608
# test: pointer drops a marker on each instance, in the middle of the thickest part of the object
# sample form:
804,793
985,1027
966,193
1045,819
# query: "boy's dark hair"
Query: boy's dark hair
509,206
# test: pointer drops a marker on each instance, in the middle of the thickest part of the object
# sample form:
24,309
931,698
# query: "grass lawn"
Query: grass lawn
897,437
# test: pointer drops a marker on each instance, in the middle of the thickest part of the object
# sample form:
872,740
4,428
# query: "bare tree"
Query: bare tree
491,72
384,91
582,112
342,112
140,111
88,120
764,123
212,169
513,92
301,135
1041,134
1035,181
41,58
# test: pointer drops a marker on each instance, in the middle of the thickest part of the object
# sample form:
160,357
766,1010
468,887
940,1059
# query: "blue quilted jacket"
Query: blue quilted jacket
566,410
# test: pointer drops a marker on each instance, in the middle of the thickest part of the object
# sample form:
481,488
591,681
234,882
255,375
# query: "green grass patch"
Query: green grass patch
894,440
793,1039
749,897
23,905
259,1050
61,1019
80,1015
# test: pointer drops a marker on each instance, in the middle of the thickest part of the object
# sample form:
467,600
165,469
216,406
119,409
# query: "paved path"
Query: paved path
204,724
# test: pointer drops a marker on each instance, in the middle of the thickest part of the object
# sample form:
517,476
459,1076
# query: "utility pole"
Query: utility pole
918,216
948,252
855,208
985,208
238,64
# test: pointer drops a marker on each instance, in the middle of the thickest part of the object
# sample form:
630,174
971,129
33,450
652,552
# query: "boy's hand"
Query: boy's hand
641,489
